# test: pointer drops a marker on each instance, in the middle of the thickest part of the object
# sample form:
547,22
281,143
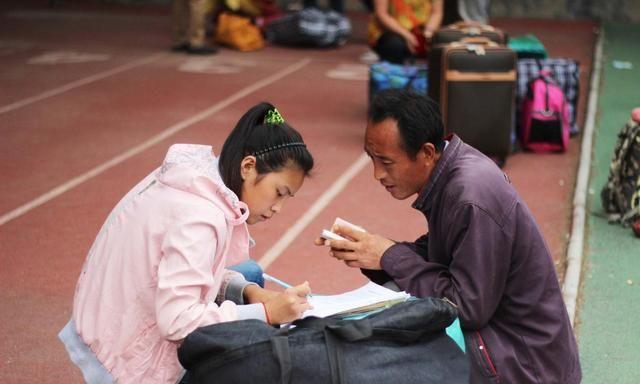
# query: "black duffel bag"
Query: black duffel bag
406,343
310,27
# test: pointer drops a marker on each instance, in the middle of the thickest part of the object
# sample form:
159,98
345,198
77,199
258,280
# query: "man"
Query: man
483,250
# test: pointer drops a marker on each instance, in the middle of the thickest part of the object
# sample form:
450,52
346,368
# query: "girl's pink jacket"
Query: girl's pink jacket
157,267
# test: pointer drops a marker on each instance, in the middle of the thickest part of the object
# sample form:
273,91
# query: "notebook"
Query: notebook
371,297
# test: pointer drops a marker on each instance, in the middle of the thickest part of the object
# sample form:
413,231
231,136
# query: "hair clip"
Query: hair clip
273,117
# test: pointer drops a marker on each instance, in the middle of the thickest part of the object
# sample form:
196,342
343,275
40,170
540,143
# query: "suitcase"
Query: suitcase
457,31
475,81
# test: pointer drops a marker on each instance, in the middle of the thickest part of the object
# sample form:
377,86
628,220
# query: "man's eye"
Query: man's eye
387,162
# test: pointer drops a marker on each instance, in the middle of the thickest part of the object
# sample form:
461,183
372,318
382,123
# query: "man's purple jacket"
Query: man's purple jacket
485,253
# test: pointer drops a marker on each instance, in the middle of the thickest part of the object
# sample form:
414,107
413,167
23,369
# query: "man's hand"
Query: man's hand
365,251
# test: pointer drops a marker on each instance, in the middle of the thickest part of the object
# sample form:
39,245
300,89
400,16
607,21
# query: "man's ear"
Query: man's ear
248,168
428,152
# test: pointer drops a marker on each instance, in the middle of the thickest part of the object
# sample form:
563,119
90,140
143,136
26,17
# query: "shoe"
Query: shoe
201,50
369,57
180,47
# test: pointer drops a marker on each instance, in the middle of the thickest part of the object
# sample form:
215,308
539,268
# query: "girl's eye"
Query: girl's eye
279,194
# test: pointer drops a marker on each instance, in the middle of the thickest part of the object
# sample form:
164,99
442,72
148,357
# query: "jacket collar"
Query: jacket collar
194,169
437,179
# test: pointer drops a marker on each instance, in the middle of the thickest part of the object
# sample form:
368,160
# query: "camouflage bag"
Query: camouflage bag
621,195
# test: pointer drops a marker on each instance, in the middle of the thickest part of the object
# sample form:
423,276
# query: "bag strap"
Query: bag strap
334,353
280,349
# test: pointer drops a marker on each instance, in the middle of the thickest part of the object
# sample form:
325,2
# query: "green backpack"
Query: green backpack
621,195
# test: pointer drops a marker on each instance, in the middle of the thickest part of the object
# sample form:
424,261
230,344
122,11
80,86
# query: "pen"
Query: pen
278,281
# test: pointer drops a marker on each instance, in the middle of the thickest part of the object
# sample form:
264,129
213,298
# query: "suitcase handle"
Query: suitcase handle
478,40
471,24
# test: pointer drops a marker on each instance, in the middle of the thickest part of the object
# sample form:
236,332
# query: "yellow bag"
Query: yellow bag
238,32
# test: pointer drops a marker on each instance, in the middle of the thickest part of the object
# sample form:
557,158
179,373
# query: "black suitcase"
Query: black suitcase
458,31
475,81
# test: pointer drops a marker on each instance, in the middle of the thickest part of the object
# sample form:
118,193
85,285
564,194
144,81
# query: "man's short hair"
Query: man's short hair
418,118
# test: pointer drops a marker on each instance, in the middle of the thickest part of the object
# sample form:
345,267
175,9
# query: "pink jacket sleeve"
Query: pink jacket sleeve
185,277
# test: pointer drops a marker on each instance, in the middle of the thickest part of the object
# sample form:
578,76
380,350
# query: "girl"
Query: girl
158,267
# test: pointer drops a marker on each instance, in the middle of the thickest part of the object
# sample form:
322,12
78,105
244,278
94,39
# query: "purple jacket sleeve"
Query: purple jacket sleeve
476,276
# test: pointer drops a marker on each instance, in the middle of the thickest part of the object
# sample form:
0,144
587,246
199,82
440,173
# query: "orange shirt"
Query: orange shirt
409,13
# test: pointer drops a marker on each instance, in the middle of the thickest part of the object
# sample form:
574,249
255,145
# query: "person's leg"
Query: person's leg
310,3
180,21
392,47
337,5
197,27
251,271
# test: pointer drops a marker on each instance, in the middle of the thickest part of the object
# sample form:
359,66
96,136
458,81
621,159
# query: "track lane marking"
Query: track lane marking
78,83
72,183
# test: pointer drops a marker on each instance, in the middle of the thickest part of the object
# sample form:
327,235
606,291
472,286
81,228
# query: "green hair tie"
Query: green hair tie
273,117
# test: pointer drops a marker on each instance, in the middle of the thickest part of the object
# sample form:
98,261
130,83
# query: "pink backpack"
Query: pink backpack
545,116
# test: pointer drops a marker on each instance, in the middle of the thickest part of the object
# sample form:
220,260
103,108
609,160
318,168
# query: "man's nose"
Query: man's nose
378,172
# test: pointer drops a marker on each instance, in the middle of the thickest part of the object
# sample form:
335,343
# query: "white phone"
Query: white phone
328,235
344,223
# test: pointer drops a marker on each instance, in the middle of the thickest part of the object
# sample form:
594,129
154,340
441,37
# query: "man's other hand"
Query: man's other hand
365,251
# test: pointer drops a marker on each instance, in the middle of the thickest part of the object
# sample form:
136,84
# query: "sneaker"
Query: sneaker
202,50
369,57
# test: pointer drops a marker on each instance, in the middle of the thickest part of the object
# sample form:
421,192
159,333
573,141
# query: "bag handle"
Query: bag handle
280,349
470,24
478,40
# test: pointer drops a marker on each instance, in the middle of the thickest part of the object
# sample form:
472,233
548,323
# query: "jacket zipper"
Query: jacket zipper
483,351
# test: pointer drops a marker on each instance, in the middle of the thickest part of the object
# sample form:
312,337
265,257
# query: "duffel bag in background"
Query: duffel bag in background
528,47
566,73
385,75
621,195
309,27
405,343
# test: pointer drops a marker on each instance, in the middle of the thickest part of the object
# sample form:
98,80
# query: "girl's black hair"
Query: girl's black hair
252,135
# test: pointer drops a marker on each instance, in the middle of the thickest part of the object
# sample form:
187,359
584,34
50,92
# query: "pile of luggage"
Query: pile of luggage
490,90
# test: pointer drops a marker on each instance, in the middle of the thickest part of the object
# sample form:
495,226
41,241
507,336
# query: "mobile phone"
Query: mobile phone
328,235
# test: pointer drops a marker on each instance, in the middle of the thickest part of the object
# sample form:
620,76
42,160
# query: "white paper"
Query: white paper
369,294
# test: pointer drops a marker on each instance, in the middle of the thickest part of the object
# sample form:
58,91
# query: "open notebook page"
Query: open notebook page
369,296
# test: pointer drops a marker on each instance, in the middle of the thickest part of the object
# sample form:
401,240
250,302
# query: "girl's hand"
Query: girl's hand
288,305
412,41
428,34
254,294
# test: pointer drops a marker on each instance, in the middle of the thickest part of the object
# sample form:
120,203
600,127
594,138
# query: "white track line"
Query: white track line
576,242
79,83
276,250
55,192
